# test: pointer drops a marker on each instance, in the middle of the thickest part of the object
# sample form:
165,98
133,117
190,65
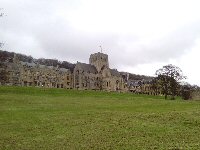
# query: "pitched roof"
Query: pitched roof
50,67
114,72
134,82
87,67
64,70
28,64
42,66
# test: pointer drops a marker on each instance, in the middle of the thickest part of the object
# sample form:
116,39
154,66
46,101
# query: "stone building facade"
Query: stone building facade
93,76
144,87
97,75
31,74
45,76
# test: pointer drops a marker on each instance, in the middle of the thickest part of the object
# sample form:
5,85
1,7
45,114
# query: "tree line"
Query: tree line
6,56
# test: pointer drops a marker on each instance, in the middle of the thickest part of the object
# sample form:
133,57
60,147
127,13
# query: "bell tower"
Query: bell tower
99,60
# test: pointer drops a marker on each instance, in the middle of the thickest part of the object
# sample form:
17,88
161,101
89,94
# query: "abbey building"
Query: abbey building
97,75
93,76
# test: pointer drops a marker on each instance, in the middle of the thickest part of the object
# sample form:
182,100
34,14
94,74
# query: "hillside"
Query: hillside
8,56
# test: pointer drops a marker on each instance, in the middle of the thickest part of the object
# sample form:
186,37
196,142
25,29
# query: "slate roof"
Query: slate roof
147,81
114,72
138,82
88,68
50,67
64,69
42,66
134,82
28,64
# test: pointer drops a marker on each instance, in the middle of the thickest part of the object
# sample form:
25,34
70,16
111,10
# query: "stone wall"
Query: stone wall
30,74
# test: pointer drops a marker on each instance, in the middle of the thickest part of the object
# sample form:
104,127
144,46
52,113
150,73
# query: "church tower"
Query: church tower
99,60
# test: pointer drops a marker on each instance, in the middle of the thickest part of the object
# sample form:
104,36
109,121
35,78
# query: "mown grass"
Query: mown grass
36,118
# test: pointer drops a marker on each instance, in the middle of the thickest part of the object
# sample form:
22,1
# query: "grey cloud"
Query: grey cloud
35,26
172,46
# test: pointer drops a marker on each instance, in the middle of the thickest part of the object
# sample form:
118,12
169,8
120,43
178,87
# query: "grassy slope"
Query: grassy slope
34,118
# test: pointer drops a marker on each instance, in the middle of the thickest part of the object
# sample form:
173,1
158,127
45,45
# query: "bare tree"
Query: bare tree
169,77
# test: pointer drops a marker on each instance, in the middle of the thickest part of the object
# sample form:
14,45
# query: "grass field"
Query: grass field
35,118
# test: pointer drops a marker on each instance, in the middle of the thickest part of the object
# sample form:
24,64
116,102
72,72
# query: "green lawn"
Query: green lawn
36,118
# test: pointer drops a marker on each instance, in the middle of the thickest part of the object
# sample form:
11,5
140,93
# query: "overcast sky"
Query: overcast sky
140,36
